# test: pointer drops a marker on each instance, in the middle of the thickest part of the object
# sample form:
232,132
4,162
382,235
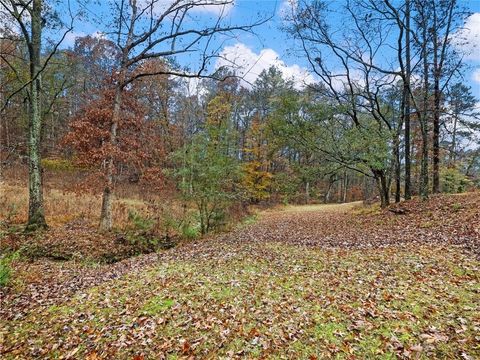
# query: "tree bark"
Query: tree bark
436,112
424,118
106,220
453,153
398,185
436,138
383,188
36,212
408,161
331,181
307,192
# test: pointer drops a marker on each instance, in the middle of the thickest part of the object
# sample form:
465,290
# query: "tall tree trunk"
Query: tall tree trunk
440,54
424,166
383,188
106,219
307,192
436,111
453,154
436,138
408,161
36,212
398,185
331,181
424,115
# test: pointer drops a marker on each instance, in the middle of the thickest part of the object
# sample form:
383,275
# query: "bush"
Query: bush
453,181
286,185
140,232
190,232
6,267
138,222
147,235
57,165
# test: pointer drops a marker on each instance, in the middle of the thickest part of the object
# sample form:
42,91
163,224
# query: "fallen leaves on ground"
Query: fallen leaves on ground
297,284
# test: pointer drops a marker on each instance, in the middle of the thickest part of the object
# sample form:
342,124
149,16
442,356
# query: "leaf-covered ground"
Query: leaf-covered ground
323,283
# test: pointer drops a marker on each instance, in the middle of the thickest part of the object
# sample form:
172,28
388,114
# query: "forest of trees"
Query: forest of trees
388,117
239,179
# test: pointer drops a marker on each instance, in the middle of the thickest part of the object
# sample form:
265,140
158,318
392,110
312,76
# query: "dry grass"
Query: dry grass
65,201
322,207
73,219
62,207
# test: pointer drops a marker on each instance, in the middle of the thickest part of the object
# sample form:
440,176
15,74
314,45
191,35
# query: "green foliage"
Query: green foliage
453,181
57,164
189,227
286,185
139,222
327,141
6,267
368,144
140,232
456,207
251,219
190,232
208,172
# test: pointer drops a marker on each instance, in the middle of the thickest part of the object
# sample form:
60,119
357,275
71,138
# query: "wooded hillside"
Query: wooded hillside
239,179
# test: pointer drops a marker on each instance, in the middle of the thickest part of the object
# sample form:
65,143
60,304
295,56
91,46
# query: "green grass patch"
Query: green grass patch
157,305
273,301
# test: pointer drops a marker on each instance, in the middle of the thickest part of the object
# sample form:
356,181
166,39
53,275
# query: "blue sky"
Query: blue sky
271,46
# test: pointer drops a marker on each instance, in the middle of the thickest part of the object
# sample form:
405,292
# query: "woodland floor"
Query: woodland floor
300,283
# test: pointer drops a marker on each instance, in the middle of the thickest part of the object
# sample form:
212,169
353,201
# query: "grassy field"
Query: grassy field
63,206
322,207
273,301
305,283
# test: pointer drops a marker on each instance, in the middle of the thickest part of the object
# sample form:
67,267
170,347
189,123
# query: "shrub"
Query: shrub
58,164
140,232
190,232
207,178
6,267
138,222
286,185
147,235
453,181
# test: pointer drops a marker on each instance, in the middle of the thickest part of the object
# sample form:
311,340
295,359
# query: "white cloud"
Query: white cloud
340,81
73,35
476,75
216,8
249,64
467,39
209,7
287,7
8,25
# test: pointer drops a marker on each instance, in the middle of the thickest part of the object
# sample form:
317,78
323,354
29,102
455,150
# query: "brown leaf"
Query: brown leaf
93,356
186,348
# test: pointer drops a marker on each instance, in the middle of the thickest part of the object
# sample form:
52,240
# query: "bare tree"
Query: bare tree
149,29
422,23
407,96
358,82
446,19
